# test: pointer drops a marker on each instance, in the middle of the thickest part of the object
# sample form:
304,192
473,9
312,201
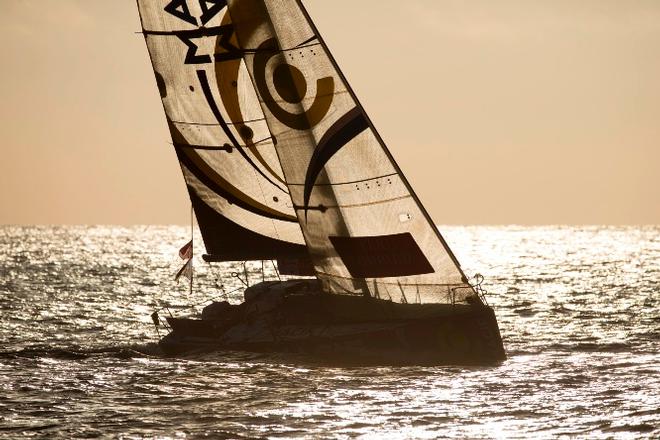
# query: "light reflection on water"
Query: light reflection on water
579,310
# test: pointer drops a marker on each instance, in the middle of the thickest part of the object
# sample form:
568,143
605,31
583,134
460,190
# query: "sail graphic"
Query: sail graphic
365,229
219,132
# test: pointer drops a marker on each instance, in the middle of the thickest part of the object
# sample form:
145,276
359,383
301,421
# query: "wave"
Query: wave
76,353
589,347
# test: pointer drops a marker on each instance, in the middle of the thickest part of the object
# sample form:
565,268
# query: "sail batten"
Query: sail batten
357,205
352,182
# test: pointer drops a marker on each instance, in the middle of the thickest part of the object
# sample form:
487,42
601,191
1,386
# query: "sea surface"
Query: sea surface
578,308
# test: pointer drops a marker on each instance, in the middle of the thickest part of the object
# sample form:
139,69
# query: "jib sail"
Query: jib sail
365,229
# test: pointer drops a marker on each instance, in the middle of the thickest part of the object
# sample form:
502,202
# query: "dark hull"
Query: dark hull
454,334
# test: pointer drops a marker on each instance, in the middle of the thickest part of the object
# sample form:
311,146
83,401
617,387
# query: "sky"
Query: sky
509,112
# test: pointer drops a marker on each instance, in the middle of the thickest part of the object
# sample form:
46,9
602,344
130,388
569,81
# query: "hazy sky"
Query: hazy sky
526,112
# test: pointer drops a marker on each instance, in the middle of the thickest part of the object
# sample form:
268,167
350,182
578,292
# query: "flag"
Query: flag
186,271
186,252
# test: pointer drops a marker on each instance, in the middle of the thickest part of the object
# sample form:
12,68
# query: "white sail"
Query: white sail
366,231
219,132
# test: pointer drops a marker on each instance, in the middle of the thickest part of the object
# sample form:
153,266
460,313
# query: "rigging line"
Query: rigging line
379,138
204,82
386,283
347,183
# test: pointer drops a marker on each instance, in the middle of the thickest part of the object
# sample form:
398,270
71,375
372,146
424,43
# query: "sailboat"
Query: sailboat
282,163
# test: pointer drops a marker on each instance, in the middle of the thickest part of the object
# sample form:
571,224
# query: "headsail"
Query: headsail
366,231
219,132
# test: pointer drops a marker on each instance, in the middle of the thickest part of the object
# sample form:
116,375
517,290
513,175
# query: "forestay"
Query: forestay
219,132
365,229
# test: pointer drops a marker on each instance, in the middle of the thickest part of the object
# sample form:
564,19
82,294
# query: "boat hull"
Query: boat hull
466,335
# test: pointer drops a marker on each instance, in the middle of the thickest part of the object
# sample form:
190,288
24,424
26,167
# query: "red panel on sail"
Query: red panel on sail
382,256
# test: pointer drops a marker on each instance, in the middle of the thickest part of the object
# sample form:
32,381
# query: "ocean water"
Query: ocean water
578,308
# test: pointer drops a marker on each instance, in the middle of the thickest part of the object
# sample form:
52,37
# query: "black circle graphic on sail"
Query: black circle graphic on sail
291,85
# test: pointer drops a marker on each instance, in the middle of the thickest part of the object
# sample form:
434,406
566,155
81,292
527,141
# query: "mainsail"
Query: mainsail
262,68
219,132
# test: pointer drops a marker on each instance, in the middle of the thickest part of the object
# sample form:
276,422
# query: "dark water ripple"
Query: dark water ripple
579,310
